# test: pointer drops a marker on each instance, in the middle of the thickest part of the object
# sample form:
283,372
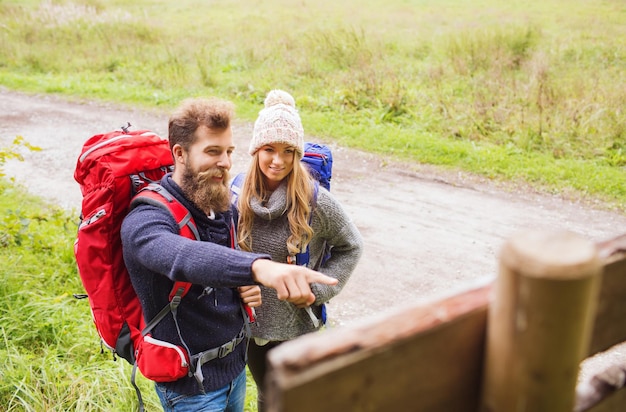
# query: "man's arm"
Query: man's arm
151,241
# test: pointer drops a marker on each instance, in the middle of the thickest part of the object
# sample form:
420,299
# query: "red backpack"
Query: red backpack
111,170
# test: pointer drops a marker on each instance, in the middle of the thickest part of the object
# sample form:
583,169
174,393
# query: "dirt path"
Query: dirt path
427,233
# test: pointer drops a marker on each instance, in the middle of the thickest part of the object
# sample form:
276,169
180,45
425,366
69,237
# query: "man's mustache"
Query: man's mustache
207,175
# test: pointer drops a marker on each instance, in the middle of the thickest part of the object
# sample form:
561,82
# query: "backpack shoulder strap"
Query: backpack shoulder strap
316,189
303,258
235,187
156,195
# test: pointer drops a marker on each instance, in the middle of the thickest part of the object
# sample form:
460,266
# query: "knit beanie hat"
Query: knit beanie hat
278,122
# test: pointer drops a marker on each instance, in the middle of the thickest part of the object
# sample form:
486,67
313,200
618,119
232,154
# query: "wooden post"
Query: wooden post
540,322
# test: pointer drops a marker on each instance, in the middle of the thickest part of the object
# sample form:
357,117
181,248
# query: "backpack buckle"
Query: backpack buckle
226,349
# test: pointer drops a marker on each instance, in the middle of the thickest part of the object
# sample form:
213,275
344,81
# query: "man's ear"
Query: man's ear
177,154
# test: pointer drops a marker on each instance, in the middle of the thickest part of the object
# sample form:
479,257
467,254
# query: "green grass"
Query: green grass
49,350
525,91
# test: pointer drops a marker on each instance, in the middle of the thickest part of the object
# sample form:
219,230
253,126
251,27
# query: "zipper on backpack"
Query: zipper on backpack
99,215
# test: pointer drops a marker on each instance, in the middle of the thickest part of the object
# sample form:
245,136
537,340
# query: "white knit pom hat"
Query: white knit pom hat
278,122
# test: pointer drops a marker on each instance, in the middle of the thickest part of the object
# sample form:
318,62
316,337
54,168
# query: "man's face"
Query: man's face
204,176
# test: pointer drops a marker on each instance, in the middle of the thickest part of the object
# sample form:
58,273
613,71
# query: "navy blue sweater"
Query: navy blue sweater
156,256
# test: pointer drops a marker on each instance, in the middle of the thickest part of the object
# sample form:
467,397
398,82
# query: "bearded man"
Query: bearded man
210,315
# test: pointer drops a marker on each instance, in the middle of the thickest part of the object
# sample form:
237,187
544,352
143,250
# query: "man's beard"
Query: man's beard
206,194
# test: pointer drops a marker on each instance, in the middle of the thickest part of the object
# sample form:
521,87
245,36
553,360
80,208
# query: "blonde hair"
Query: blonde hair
299,198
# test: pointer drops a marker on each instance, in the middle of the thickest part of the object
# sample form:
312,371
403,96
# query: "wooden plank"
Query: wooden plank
425,357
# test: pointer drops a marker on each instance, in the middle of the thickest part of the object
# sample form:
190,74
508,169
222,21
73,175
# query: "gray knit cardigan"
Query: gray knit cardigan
279,320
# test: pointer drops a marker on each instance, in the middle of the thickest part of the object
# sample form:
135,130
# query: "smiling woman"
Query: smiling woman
286,213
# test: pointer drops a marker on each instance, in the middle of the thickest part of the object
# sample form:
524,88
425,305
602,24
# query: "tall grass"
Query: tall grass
488,87
48,346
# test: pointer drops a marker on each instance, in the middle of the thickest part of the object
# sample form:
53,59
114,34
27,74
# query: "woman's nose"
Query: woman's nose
277,159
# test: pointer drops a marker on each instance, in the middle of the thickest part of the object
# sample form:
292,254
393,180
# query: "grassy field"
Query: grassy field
528,92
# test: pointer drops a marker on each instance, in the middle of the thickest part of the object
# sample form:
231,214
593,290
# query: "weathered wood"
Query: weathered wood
426,357
609,325
540,322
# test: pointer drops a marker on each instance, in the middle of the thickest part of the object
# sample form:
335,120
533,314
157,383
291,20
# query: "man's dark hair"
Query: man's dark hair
216,114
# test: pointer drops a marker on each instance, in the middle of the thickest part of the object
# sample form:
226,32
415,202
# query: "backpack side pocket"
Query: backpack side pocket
161,361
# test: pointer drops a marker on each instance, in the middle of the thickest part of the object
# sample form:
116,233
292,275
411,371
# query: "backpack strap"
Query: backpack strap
179,290
156,195
302,258
235,187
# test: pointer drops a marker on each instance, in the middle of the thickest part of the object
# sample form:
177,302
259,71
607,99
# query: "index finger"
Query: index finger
317,277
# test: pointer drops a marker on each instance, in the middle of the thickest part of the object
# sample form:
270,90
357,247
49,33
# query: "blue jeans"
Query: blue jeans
229,398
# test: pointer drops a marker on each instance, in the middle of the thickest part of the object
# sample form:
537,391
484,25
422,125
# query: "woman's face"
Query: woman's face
276,162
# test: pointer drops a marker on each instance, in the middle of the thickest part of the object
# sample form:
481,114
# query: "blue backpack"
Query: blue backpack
319,160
